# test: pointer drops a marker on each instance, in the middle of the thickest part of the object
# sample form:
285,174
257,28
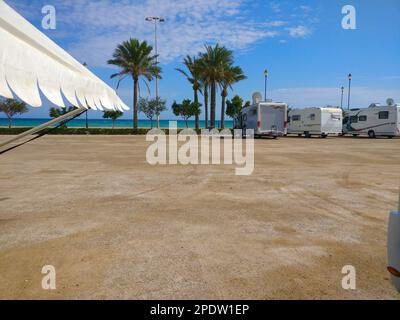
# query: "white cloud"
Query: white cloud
95,27
306,9
299,32
275,7
276,23
361,97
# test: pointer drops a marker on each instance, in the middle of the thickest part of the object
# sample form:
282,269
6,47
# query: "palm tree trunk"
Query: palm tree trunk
206,104
223,98
157,121
213,102
135,102
196,101
9,122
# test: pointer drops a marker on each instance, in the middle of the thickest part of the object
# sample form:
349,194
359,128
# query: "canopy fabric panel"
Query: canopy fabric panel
30,61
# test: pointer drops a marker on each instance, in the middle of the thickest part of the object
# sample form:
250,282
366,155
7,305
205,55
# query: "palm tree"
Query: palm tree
205,86
194,77
135,60
232,75
59,112
214,61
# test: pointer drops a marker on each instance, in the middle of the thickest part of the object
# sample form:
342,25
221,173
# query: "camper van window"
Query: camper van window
312,116
335,117
353,119
362,118
384,115
296,118
254,112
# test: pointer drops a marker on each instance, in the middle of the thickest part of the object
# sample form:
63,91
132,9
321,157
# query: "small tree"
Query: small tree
234,106
152,108
144,107
11,108
58,112
247,104
158,105
113,115
186,109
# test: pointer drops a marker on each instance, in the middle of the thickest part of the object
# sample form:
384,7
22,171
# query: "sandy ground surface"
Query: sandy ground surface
115,227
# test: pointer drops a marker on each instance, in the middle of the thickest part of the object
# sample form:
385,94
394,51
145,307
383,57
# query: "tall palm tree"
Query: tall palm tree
135,60
231,76
214,61
194,77
206,87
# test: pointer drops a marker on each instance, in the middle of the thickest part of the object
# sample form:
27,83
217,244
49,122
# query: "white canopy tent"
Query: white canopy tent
29,60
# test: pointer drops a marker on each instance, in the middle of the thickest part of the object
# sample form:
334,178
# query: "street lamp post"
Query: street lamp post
156,20
265,84
348,100
341,101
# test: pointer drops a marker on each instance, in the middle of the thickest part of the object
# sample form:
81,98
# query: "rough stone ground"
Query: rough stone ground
115,227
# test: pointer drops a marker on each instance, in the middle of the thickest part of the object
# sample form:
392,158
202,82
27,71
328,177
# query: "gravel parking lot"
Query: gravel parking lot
115,227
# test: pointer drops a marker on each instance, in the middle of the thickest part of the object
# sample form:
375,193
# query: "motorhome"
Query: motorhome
374,121
316,121
266,118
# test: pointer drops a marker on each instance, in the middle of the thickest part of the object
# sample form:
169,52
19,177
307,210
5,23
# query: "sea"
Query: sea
105,123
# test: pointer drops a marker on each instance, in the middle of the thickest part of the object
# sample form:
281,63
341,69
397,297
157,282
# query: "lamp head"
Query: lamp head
350,76
266,72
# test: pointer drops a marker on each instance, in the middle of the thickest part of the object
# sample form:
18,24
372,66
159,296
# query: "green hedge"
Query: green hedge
81,131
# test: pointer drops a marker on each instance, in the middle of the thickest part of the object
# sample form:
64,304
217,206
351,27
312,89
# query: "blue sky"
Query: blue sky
301,43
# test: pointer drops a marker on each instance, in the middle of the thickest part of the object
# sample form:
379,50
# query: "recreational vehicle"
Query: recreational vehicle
265,118
373,121
315,121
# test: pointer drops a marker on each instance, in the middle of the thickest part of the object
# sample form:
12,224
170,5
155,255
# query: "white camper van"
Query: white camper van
265,118
374,121
316,121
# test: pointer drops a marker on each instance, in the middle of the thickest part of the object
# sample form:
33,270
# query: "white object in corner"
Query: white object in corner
394,248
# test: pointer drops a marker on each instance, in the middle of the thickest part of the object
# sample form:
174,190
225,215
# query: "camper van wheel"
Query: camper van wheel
371,134
355,135
299,135
390,137
307,134
323,136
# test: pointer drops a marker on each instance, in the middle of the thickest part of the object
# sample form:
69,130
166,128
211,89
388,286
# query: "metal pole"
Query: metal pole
265,89
341,101
87,122
156,20
43,126
156,48
348,101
